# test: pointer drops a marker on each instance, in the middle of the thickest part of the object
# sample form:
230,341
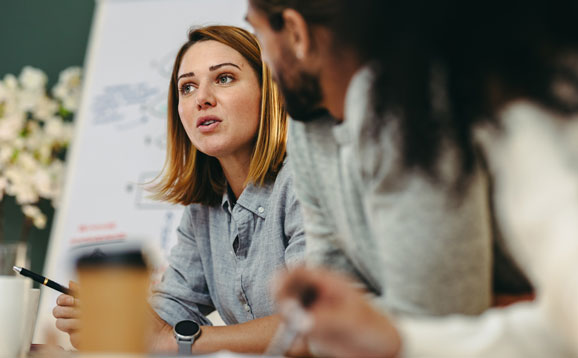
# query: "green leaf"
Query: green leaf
64,113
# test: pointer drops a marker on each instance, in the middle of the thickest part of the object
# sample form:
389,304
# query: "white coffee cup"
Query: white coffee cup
14,307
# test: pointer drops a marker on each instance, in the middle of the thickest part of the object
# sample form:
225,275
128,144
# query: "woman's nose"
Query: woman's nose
205,97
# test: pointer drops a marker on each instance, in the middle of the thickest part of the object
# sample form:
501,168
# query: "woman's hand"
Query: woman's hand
344,323
67,315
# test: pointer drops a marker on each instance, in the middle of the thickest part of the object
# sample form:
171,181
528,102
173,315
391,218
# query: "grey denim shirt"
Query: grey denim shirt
226,255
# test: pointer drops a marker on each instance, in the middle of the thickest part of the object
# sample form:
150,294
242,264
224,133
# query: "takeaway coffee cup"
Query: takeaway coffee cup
113,302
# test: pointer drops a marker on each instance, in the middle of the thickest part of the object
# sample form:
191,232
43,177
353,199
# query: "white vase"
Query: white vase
12,254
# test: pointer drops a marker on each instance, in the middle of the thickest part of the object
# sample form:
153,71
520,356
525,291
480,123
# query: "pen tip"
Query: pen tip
16,268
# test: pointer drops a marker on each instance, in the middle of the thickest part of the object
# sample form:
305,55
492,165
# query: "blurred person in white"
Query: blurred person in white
227,131
505,74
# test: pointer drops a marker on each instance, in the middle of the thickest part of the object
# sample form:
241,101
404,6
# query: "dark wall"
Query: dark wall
50,35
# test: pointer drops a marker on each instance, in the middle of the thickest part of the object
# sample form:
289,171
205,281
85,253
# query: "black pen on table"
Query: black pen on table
43,280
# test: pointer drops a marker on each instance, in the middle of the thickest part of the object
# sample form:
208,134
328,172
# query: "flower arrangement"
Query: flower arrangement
35,130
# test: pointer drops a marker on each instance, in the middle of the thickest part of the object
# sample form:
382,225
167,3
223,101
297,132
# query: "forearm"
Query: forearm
249,337
520,330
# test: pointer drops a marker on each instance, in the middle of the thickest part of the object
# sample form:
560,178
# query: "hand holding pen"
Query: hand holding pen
342,321
42,280
66,312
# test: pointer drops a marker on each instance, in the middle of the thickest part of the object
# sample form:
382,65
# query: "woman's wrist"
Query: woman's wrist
163,339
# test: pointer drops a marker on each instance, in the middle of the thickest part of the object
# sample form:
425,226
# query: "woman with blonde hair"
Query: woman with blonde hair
227,131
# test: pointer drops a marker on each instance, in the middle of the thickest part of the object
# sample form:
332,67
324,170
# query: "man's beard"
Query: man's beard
303,97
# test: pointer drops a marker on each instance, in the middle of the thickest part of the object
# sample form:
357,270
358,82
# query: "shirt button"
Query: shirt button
247,308
261,210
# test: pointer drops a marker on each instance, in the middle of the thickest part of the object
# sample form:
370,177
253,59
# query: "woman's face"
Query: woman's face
219,100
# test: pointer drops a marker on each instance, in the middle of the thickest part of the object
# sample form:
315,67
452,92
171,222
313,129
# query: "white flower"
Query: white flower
56,170
33,79
33,82
68,88
29,99
33,135
44,152
43,183
45,108
11,126
34,213
20,186
3,93
6,153
54,128
39,221
18,143
27,162
11,83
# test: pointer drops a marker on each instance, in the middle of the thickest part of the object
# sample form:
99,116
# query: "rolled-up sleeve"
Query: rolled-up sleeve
183,292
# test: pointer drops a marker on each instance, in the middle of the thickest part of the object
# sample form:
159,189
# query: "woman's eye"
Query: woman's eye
187,88
225,79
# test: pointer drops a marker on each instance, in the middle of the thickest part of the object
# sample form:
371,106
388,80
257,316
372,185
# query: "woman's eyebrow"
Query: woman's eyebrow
216,67
188,74
212,68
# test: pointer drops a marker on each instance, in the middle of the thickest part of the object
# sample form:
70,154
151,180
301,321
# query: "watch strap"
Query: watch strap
185,346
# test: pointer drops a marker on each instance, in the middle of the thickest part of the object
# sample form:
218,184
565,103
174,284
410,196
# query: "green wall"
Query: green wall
50,35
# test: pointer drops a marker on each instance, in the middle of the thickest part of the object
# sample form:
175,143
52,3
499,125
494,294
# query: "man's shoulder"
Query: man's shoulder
313,133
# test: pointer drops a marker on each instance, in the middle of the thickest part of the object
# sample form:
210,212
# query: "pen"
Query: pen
43,280
295,320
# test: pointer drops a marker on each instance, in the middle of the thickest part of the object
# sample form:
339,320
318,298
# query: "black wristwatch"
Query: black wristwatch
186,332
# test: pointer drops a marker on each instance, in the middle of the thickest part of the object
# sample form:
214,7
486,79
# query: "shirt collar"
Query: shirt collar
225,201
254,198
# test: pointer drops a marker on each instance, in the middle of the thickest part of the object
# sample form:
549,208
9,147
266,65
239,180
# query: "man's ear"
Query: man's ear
297,31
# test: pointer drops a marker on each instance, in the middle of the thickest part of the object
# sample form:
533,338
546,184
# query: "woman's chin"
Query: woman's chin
216,151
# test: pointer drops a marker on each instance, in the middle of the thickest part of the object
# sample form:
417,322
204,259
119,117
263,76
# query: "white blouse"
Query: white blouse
533,159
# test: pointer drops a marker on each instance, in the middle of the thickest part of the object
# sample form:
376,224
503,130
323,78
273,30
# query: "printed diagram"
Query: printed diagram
128,105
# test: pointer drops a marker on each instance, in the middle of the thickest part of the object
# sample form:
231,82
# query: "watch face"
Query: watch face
187,328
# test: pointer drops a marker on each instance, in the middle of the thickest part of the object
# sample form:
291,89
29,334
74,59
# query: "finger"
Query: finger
67,325
65,300
65,312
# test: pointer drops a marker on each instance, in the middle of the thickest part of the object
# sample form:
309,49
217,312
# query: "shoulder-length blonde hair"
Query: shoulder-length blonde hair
190,176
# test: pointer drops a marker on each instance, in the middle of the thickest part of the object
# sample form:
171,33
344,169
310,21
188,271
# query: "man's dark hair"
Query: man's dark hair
315,12
441,66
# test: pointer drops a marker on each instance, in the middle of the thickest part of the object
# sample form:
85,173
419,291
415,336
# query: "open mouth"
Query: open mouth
208,123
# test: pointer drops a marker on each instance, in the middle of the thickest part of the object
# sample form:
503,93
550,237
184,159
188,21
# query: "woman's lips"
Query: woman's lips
208,124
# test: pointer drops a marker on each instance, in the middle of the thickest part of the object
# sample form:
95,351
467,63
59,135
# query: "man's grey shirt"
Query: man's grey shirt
226,255
395,230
